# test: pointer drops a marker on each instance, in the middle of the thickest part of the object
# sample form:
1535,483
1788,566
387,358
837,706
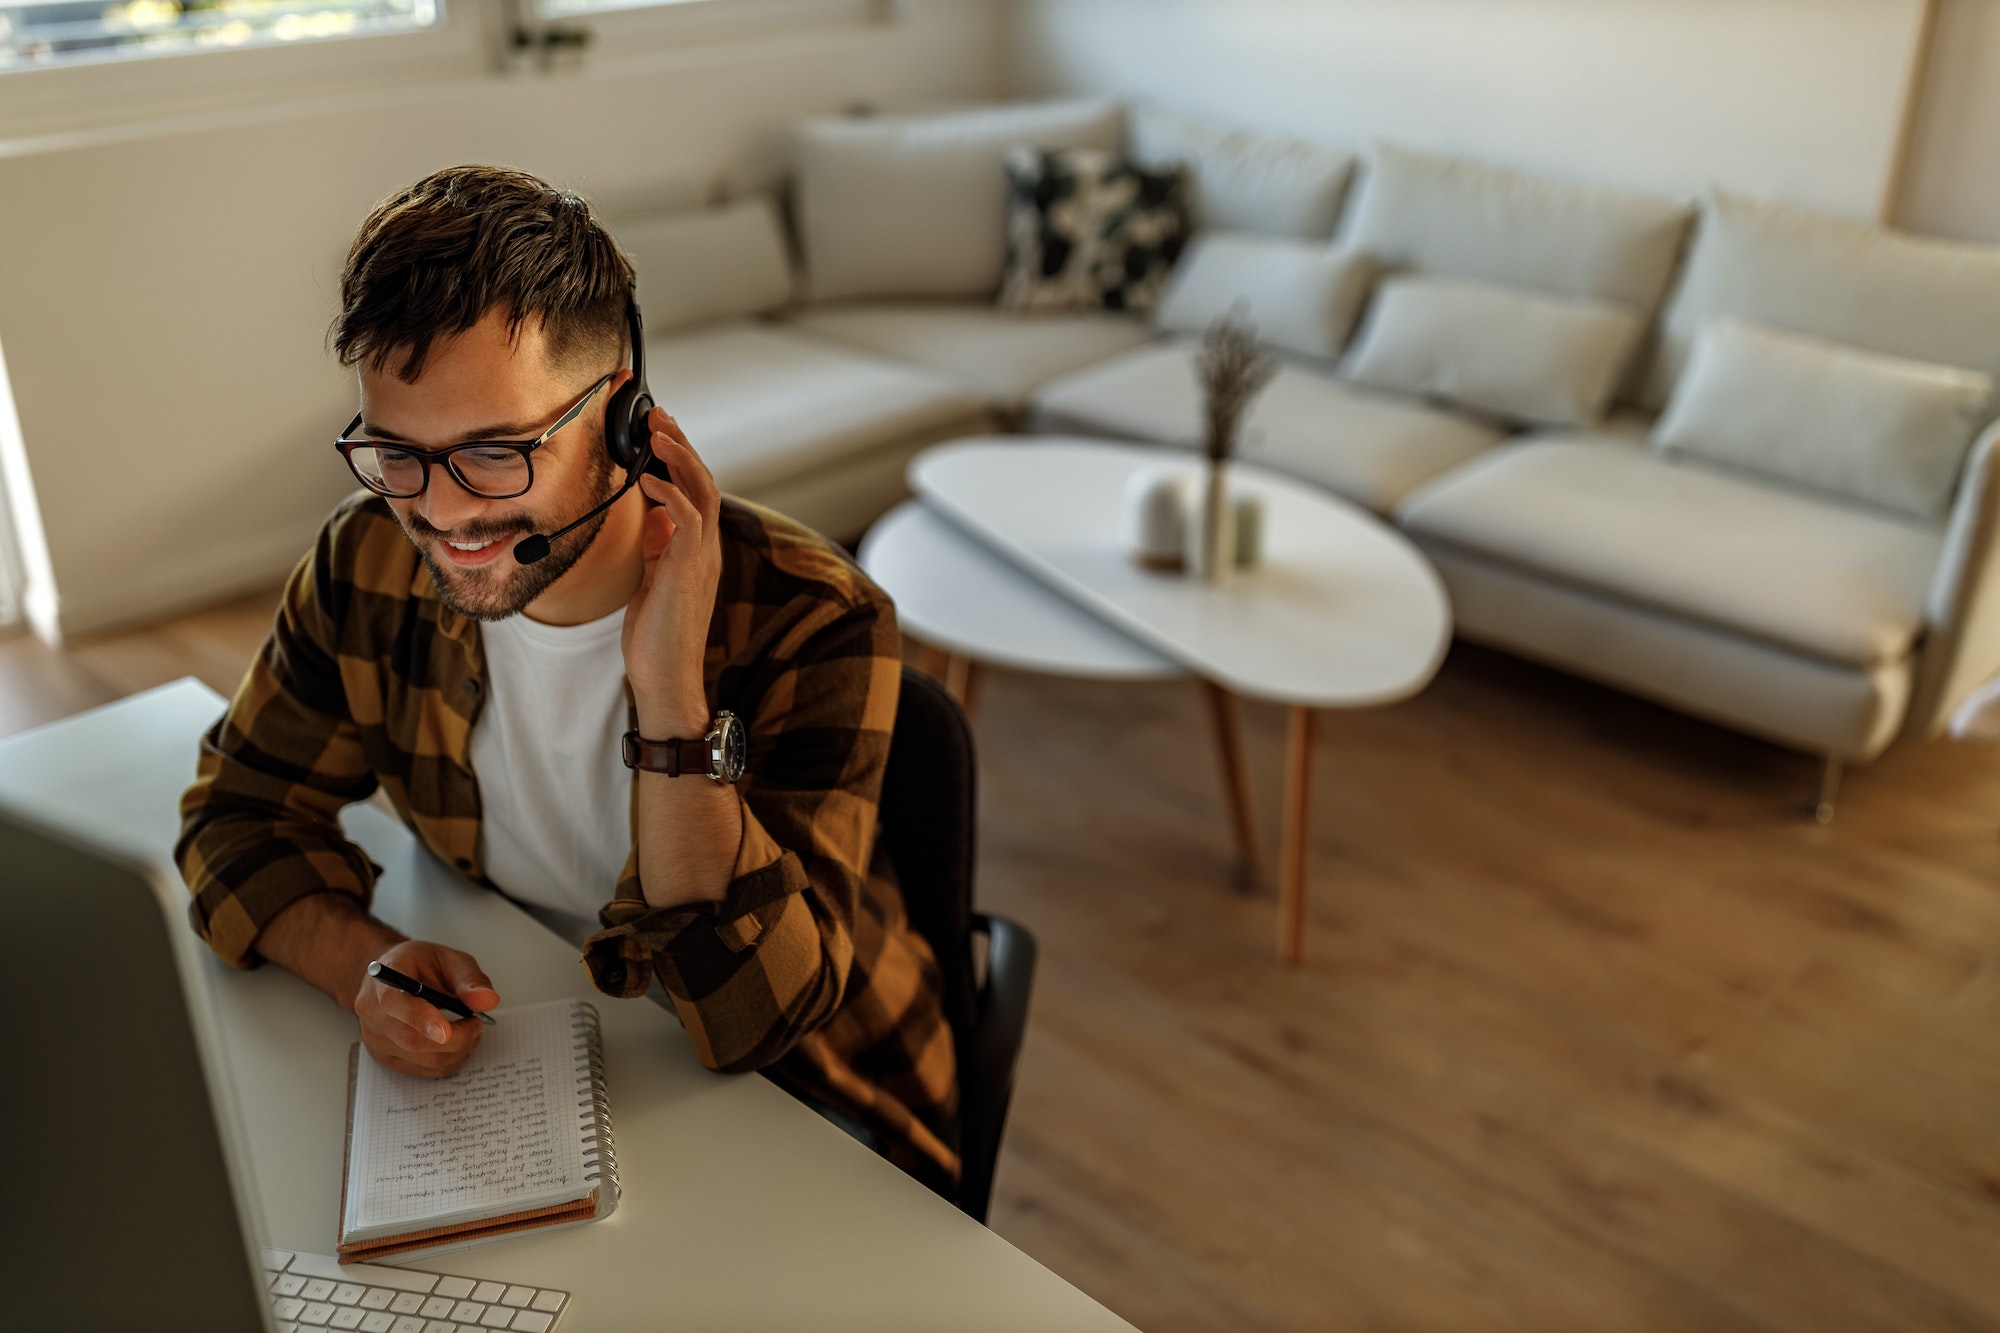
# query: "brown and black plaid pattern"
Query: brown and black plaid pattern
807,969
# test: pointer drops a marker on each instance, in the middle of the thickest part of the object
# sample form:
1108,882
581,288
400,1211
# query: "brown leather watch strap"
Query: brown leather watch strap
671,757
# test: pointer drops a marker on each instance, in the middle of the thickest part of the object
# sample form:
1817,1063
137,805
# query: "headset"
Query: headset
628,438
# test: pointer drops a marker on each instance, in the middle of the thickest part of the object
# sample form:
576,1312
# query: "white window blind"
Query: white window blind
38,34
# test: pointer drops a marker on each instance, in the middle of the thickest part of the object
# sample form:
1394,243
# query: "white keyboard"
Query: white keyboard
312,1291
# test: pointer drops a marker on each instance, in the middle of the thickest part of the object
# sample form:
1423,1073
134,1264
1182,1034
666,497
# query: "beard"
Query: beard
504,587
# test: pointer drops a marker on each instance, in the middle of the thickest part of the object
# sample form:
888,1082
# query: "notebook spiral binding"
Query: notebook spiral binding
600,1148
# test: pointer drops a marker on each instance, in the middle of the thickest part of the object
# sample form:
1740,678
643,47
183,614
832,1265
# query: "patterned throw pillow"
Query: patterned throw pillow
1087,229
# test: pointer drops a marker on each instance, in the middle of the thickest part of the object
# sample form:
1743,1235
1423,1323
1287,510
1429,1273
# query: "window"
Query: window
34,33
558,9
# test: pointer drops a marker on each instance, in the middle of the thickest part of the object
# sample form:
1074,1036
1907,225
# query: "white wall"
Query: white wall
1952,186
164,293
1798,99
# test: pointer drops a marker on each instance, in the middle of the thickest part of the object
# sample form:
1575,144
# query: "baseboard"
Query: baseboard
168,588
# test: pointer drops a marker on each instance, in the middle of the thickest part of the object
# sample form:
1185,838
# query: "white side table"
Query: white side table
970,605
1343,613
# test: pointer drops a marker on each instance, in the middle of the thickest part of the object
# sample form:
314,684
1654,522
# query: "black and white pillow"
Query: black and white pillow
1089,229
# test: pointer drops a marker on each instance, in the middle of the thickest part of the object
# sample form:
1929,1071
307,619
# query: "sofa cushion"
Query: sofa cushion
1517,354
1886,291
1303,296
1004,354
763,405
1088,228
1879,429
917,205
1369,447
1612,517
697,267
1452,215
1241,181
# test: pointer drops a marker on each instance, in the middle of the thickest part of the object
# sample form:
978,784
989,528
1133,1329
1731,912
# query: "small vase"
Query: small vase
1211,543
1156,518
1249,511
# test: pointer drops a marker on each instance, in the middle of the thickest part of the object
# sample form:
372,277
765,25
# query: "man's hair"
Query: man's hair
433,258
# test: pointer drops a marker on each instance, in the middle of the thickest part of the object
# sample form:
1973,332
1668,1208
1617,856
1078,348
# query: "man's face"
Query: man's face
479,386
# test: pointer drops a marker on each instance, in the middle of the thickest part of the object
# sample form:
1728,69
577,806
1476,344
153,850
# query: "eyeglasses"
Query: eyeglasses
491,469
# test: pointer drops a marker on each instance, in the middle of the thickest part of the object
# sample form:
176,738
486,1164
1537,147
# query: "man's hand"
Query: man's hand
406,1034
666,622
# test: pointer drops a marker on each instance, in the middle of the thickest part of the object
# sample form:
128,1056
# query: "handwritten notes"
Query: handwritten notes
500,1135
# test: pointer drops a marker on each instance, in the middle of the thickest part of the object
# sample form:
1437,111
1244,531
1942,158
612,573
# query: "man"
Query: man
490,698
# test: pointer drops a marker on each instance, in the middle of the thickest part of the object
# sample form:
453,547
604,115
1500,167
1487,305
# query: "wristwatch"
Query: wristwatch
719,754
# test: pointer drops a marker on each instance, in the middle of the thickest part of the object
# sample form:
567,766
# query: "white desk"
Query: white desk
742,1209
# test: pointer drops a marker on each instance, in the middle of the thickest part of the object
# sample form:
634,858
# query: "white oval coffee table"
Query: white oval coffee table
1343,613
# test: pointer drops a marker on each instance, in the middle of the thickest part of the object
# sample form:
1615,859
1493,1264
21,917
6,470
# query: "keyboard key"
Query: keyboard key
377,1298
316,1314
518,1296
287,1307
288,1328
346,1294
532,1321
497,1316
288,1284
346,1316
548,1301
409,1323
458,1288
439,1326
489,1292
377,1321
467,1312
318,1289
277,1259
437,1307
408,1303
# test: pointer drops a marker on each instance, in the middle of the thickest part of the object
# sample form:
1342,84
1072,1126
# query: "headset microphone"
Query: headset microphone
628,437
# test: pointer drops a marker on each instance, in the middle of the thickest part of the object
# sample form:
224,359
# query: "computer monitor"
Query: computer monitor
127,1198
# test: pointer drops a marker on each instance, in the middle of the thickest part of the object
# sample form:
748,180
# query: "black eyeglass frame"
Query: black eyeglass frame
435,457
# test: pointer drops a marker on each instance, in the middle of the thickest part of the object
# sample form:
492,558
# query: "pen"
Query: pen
436,999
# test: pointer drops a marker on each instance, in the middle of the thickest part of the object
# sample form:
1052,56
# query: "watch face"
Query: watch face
730,747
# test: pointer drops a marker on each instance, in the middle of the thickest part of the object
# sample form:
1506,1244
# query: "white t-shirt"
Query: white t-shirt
556,823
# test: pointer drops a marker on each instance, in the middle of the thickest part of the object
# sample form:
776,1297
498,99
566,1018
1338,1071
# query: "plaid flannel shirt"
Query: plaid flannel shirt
807,969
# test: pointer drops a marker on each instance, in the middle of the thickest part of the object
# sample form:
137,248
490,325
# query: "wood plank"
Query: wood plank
1597,1029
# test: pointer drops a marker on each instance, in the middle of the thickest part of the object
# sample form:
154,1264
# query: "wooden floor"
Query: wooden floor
1596,1031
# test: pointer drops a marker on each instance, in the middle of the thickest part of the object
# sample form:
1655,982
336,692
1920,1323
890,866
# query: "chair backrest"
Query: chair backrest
927,829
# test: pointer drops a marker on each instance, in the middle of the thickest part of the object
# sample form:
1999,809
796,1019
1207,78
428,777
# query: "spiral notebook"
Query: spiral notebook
518,1138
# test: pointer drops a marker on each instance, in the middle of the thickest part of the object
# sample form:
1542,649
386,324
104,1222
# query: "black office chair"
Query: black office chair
927,828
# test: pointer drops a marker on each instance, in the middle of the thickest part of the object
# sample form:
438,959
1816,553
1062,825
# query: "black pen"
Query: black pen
436,999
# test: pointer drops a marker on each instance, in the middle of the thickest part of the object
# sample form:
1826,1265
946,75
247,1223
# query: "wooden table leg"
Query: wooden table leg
960,678
968,687
1235,781
932,662
1292,854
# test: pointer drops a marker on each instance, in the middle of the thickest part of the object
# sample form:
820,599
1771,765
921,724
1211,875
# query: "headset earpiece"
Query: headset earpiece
627,435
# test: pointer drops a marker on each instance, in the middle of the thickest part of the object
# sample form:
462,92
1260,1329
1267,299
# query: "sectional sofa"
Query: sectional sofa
1725,454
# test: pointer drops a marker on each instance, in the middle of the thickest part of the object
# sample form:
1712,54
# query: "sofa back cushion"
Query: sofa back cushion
695,268
917,205
1454,216
1303,296
1520,355
1246,182
1879,429
1828,277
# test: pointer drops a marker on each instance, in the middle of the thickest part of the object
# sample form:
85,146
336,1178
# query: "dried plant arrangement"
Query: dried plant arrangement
1233,370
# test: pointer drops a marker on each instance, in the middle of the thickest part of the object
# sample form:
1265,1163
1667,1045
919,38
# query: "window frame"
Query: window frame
473,41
